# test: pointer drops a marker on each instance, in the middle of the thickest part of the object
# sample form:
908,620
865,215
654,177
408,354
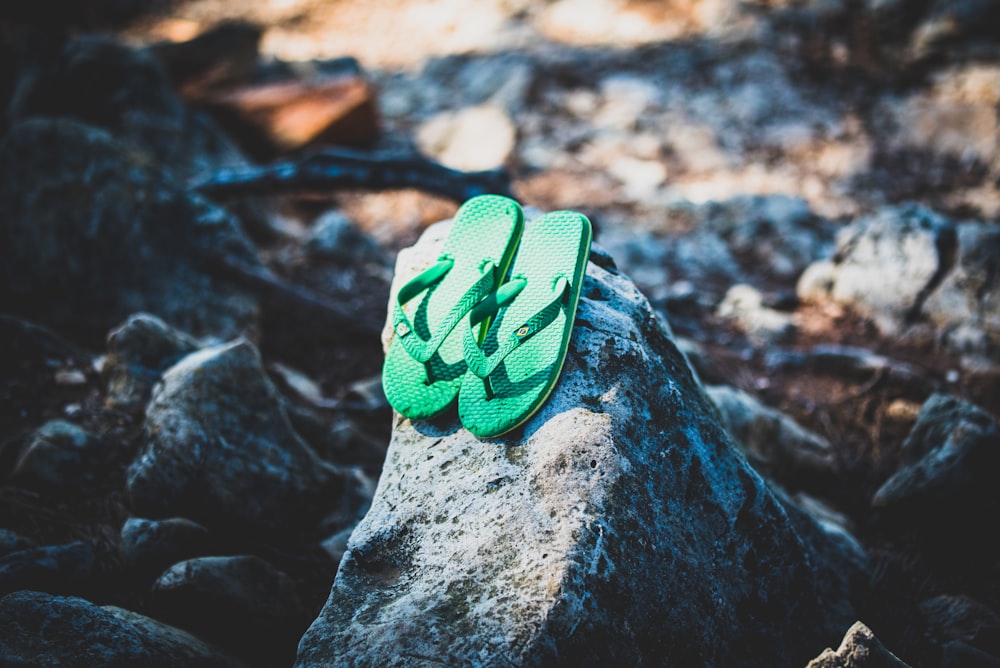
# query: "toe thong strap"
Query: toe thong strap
483,365
423,349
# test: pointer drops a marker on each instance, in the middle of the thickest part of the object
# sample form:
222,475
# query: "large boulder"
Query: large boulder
619,526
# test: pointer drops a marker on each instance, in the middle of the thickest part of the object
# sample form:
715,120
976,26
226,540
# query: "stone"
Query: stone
965,307
39,629
772,236
776,445
474,139
99,81
273,118
134,239
618,526
148,547
859,649
11,541
336,238
60,458
241,603
949,462
884,265
959,618
139,351
219,449
54,568
744,306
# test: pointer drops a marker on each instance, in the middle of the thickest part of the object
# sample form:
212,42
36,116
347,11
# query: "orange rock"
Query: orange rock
282,117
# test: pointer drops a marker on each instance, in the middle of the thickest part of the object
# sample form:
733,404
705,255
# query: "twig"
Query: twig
333,169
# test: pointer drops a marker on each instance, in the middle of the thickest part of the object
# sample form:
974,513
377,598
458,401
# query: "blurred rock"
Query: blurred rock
631,528
964,620
965,307
472,139
336,238
84,255
60,458
148,547
139,351
950,461
38,629
859,649
58,569
219,449
884,265
744,306
776,445
11,541
96,80
241,603
273,118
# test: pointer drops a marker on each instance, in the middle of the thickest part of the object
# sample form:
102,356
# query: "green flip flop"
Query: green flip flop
514,368
424,365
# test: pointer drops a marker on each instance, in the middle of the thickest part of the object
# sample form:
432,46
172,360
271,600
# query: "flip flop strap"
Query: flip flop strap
418,348
483,365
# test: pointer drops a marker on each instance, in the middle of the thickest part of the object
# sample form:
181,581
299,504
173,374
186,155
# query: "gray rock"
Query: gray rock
335,237
965,307
38,629
619,526
241,603
59,569
884,265
59,458
744,306
958,618
139,351
11,541
101,82
472,139
148,547
950,461
777,445
859,649
774,235
219,449
91,232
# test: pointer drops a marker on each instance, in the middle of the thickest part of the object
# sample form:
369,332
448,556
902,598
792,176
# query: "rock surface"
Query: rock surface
132,240
772,441
619,526
219,449
139,351
38,629
60,569
241,603
859,649
59,458
950,460
148,547
98,80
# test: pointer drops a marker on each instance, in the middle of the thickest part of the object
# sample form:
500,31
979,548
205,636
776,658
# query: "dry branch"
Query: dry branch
340,169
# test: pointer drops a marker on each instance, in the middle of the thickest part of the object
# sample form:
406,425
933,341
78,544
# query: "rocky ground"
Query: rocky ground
190,411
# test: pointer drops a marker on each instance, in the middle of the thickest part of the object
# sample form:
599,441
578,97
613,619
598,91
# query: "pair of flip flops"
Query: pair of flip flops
489,324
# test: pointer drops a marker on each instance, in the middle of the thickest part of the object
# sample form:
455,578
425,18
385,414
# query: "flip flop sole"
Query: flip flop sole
554,252
486,229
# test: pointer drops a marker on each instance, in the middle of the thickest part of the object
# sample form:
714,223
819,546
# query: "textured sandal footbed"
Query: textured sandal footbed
552,247
485,229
